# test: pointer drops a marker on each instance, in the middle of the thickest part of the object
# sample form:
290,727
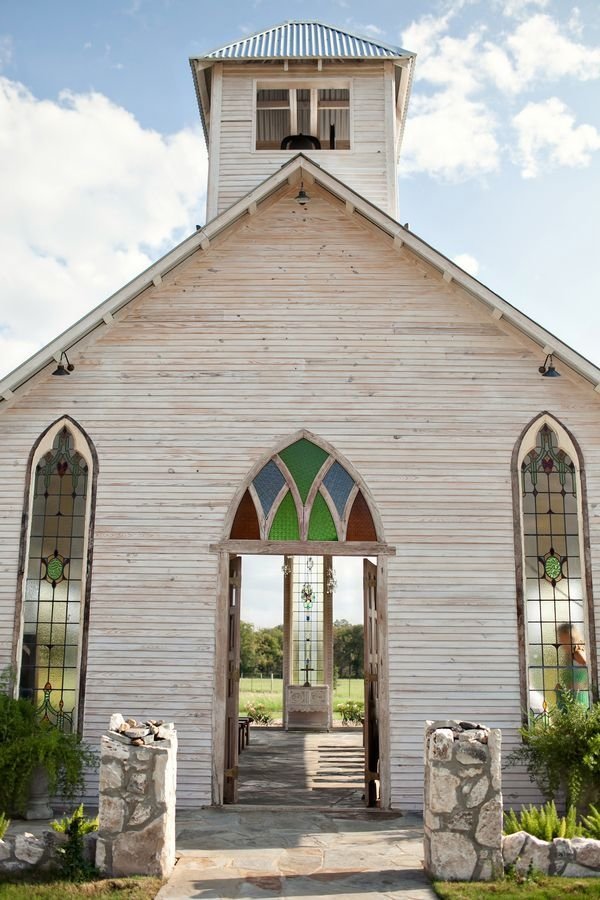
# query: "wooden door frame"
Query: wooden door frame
296,548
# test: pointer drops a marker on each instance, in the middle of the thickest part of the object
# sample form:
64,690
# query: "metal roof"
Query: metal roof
306,40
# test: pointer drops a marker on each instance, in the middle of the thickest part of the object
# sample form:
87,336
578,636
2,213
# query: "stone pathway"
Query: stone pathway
280,768
248,852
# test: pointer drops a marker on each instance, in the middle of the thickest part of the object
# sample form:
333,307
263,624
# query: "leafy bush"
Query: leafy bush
562,751
73,864
257,712
351,711
543,822
26,743
591,823
4,824
85,825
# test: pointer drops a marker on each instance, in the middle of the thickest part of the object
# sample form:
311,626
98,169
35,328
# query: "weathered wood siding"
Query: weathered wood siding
369,167
301,318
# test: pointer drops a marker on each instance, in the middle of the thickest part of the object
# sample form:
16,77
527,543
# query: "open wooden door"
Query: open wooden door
371,727
230,782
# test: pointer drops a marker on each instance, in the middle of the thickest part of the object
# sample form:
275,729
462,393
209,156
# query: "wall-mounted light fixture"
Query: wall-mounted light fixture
61,369
302,197
548,370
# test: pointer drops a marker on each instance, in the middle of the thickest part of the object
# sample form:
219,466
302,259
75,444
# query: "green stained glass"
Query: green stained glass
285,524
303,459
54,569
552,567
321,526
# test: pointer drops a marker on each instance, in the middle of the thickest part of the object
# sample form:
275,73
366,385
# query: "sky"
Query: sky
103,165
262,590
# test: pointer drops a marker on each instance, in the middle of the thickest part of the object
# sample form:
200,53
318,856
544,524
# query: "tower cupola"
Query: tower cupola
303,87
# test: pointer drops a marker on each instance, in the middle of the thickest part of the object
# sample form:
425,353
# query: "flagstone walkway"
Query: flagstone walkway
267,852
285,768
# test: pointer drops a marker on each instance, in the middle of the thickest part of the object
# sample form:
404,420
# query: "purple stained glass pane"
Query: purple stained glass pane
268,483
339,484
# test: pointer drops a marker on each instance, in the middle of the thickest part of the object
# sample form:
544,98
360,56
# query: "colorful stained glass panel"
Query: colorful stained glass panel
556,646
285,524
339,484
321,526
268,483
303,459
56,548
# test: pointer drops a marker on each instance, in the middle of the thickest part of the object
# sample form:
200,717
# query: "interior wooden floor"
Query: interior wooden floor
295,768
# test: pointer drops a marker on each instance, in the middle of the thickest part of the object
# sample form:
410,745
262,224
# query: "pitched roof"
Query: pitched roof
299,167
306,40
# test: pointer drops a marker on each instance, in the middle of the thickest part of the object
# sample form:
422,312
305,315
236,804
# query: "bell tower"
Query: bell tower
303,87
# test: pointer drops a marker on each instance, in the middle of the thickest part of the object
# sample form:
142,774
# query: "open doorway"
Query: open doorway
303,668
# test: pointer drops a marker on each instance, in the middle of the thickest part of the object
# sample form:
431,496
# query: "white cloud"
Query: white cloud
495,63
421,36
373,30
542,52
455,64
452,133
89,199
467,262
6,51
548,137
520,7
450,137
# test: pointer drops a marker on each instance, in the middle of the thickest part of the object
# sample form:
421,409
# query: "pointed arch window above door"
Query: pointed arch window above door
304,493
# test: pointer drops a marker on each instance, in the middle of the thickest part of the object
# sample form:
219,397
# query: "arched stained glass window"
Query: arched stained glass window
304,493
55,578
554,590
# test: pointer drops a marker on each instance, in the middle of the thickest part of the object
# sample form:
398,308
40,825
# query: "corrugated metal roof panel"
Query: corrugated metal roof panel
306,40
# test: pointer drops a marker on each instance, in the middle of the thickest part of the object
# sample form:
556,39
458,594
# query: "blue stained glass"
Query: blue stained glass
339,484
268,483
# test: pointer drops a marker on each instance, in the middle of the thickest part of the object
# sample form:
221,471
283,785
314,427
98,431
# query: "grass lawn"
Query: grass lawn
103,889
537,887
262,690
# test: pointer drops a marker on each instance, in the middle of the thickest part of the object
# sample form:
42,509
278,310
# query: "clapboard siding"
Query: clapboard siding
368,167
300,319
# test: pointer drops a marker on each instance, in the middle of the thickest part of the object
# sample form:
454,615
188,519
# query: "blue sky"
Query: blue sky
103,168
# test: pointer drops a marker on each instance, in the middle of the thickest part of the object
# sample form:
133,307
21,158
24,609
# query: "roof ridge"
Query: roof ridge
391,48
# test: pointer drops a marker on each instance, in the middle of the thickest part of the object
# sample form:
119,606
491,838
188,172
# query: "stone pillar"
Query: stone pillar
463,802
136,833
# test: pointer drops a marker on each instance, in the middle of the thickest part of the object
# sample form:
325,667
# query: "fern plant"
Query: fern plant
591,823
72,860
4,824
543,822
85,825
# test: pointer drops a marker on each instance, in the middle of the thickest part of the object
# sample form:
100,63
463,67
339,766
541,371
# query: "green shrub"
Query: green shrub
258,712
562,751
26,743
4,824
351,711
543,822
72,861
591,823
85,825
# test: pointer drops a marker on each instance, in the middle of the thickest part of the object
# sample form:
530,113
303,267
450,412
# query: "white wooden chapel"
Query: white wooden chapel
301,322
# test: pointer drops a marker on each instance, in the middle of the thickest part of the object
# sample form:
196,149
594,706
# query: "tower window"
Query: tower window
323,114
